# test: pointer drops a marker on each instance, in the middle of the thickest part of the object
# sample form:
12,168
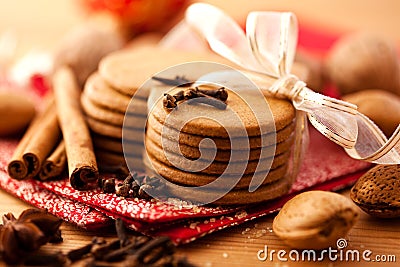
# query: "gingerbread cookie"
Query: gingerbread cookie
102,128
179,177
115,145
225,155
114,118
108,98
127,70
244,124
236,197
221,143
239,115
215,167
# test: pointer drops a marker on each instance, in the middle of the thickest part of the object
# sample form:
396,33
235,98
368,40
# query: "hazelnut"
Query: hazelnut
16,112
363,61
377,192
380,106
83,47
315,220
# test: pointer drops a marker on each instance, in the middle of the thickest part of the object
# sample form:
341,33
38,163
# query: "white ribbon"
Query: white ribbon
267,50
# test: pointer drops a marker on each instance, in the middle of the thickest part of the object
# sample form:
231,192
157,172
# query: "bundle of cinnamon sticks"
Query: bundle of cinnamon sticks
57,136
40,153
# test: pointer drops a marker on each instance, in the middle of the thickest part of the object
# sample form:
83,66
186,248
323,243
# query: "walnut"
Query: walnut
363,61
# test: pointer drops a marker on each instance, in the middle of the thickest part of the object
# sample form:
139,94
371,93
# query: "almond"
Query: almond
315,220
16,112
377,192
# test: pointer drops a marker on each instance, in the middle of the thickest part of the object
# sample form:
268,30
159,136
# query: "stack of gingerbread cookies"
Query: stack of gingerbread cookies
105,104
115,101
243,146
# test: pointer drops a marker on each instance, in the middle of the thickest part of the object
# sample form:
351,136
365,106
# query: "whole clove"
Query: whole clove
130,248
79,253
130,178
143,189
108,185
138,186
212,97
219,93
99,250
180,95
169,101
153,250
123,190
121,232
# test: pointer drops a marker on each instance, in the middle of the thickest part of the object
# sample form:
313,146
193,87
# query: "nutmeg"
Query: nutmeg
16,112
377,192
380,106
315,220
83,47
361,61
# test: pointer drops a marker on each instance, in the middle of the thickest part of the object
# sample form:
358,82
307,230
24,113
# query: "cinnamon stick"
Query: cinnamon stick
82,165
39,140
55,164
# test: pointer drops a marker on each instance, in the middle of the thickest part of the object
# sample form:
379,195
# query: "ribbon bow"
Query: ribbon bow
267,50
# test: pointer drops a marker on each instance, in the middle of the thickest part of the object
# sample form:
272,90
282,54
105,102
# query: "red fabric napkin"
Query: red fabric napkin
325,167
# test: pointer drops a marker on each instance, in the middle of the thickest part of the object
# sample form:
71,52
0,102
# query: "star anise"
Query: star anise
28,233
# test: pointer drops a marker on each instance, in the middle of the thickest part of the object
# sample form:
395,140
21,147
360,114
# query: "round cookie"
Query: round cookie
115,145
221,143
107,116
198,179
235,197
99,82
215,167
244,197
283,113
101,128
223,155
127,70
108,98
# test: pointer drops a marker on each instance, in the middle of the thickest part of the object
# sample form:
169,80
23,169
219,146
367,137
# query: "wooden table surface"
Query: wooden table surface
237,246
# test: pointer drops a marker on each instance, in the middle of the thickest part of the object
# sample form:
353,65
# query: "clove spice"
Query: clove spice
138,186
121,232
213,97
20,238
109,185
